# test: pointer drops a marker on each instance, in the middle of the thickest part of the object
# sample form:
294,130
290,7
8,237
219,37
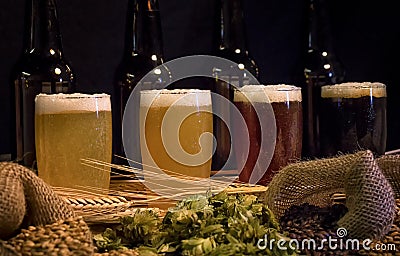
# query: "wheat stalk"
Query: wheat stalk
130,194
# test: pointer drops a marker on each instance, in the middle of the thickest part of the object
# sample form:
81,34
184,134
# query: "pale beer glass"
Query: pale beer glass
176,132
68,129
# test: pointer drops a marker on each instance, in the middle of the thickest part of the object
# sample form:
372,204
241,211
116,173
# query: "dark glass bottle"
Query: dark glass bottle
42,68
142,53
230,44
321,68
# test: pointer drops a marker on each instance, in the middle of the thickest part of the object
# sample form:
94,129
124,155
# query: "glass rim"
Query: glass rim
166,97
354,85
354,90
174,91
74,96
269,93
269,87
61,102
282,88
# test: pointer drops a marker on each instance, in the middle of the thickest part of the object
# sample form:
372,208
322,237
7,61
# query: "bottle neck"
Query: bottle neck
43,33
319,36
230,20
143,35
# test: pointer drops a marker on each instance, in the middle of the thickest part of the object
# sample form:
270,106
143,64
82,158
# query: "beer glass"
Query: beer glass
287,108
176,132
69,128
353,117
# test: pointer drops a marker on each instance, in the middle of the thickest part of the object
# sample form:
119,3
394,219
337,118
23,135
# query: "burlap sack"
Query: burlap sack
32,214
390,166
370,198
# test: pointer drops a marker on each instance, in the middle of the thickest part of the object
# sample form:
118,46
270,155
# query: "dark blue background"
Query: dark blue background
366,38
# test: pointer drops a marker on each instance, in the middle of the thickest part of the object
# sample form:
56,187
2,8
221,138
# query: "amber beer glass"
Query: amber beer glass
286,104
69,128
173,123
353,117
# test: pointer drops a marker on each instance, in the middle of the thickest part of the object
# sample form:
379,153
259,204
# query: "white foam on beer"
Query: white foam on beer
176,97
275,93
354,90
60,103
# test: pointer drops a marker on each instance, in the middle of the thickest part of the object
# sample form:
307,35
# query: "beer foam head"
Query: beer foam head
274,93
176,97
59,103
354,90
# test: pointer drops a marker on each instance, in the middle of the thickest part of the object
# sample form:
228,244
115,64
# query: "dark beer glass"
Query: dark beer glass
353,117
287,108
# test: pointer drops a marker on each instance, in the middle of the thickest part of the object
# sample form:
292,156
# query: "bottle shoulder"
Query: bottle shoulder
133,68
26,63
137,63
240,57
324,64
35,67
317,59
